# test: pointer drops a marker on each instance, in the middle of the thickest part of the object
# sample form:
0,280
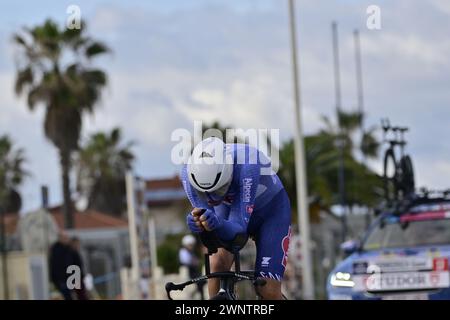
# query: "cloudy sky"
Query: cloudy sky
177,61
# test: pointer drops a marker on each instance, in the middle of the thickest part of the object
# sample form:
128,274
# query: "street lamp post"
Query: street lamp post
360,96
340,143
135,267
300,171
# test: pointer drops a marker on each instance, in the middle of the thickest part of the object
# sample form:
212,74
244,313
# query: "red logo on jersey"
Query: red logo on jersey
228,199
285,247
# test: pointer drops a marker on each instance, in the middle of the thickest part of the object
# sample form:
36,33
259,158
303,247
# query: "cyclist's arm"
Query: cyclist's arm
243,207
193,197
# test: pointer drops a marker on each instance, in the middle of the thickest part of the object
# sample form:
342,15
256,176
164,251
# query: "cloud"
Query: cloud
412,49
442,5
172,65
433,173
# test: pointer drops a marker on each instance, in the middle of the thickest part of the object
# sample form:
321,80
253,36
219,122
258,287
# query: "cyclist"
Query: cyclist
241,194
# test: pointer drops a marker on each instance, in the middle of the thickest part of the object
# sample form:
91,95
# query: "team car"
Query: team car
402,256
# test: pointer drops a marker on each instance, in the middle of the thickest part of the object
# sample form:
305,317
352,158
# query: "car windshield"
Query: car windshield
392,234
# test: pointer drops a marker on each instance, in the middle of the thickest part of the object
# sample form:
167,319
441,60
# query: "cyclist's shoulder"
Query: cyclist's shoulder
185,180
183,172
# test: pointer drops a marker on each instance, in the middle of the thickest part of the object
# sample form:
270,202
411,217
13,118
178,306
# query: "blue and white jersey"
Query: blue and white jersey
253,186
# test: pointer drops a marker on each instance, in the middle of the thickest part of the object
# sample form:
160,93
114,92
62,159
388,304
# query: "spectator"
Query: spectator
59,261
78,261
188,258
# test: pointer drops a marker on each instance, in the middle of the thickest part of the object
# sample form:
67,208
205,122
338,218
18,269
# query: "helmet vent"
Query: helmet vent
205,155
207,187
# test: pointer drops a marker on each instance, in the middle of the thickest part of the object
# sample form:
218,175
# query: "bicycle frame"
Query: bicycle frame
227,279
399,135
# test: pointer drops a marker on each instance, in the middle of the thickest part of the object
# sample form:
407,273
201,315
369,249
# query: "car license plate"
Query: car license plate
403,281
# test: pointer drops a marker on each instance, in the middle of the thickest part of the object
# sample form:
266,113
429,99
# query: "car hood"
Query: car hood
397,259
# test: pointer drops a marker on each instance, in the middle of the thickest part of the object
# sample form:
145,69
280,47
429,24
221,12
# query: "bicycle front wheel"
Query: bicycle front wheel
408,184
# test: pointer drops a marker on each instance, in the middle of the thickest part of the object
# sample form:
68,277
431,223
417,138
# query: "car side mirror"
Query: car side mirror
350,246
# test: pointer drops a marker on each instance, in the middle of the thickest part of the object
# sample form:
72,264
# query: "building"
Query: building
166,202
104,247
103,238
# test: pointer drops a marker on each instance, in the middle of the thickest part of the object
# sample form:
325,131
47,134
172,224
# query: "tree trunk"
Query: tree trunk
67,203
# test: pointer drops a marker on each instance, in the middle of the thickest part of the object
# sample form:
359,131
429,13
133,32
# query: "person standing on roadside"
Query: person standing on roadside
59,261
77,260
188,258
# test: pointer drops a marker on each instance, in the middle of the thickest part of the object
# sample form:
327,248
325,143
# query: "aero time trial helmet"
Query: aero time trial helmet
210,167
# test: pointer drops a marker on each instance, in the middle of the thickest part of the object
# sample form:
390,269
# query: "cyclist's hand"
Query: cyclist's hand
194,223
210,221
197,212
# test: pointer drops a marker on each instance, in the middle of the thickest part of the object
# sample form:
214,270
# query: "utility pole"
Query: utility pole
360,96
44,196
134,246
300,171
153,254
359,77
340,141
337,72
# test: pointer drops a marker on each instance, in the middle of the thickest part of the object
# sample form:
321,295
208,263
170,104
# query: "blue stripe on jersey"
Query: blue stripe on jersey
249,191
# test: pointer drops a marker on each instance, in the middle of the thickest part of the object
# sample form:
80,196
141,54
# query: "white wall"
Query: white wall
22,284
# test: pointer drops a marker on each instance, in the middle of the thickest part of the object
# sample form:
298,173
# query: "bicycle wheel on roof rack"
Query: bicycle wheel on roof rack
408,183
390,176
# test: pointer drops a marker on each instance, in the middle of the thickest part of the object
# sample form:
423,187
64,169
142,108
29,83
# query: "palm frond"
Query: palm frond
95,49
19,40
94,77
369,144
349,121
24,77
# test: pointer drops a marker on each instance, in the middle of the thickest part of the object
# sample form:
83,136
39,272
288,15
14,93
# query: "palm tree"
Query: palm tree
12,174
323,161
54,70
101,167
347,124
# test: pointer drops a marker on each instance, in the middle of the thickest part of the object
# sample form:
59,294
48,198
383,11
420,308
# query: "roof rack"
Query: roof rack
422,197
434,194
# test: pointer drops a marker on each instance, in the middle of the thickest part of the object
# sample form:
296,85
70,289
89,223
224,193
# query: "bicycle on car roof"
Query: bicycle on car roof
398,172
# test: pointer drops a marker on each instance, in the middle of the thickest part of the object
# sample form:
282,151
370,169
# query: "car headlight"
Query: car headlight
342,279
